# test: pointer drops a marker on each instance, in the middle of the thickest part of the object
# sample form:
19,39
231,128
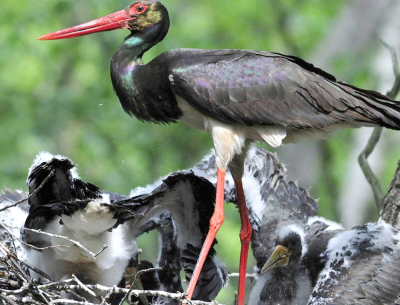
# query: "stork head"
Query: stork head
290,248
143,18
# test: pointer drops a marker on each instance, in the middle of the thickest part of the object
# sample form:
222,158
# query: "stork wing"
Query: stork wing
283,203
362,272
176,188
261,88
371,279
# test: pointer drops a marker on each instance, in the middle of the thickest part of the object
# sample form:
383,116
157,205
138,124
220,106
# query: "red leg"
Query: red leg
215,223
245,236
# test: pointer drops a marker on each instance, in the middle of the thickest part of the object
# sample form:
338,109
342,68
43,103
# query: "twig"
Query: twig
9,255
31,194
248,275
372,142
139,273
76,243
84,287
368,173
29,245
108,295
7,299
12,257
66,301
63,285
37,270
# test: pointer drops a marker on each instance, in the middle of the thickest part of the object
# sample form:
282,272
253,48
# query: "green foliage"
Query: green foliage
57,95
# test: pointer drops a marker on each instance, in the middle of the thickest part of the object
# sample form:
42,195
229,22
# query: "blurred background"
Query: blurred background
57,96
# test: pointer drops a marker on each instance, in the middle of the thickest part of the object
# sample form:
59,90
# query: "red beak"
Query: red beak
118,20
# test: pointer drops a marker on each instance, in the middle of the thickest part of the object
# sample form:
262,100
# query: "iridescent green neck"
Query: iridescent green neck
131,51
125,60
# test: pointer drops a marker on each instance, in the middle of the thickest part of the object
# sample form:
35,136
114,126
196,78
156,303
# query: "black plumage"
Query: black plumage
55,189
213,276
62,183
170,254
261,88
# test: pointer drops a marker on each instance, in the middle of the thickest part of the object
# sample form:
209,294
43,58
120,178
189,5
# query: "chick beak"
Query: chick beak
279,258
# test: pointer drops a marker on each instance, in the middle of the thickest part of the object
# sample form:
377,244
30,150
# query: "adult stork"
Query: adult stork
236,95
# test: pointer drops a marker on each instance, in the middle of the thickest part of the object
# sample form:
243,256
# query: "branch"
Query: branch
31,194
368,173
7,299
373,141
248,275
83,286
108,295
137,275
29,245
63,285
76,243
391,204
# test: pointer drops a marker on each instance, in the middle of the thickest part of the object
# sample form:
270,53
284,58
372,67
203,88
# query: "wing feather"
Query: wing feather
363,268
261,88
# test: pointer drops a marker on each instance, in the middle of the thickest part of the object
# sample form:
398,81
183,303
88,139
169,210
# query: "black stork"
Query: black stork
236,95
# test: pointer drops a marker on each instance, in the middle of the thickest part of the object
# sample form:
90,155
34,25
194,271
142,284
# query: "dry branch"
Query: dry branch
31,194
76,243
391,204
373,141
31,292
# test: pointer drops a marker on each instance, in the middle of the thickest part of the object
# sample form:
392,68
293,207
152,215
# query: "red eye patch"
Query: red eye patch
138,9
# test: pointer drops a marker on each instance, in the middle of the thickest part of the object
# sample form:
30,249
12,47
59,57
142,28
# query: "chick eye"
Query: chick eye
140,9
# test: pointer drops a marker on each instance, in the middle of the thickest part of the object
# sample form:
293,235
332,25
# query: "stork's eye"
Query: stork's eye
138,8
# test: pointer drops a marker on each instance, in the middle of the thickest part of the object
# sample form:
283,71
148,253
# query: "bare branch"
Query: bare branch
64,285
108,296
66,301
372,142
7,299
29,245
368,173
137,275
38,271
84,287
31,194
391,204
248,275
76,243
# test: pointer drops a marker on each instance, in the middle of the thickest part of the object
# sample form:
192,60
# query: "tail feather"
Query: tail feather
378,109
